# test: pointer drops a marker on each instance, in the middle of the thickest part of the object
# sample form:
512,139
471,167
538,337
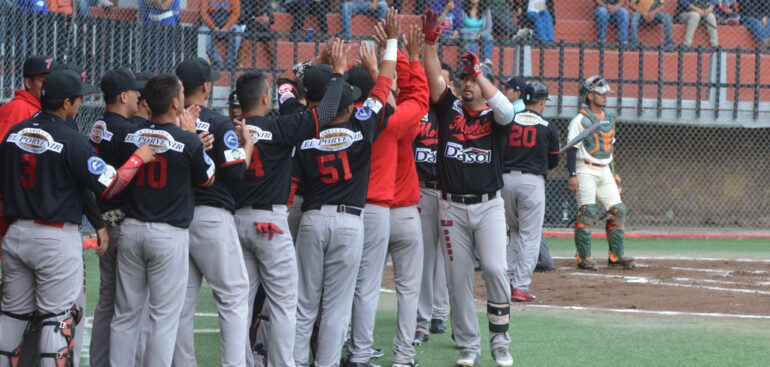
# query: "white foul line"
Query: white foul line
716,271
716,281
682,258
651,312
643,280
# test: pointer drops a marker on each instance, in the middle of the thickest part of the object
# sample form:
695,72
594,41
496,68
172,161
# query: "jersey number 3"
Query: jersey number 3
523,136
153,174
28,161
330,174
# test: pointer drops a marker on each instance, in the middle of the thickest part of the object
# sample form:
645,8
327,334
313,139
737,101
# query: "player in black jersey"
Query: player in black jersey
154,236
215,252
533,150
471,138
47,166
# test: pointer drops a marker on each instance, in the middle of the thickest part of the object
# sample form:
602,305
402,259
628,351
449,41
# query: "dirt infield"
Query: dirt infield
686,285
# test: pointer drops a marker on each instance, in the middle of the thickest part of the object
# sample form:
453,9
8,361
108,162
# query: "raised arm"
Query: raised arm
431,30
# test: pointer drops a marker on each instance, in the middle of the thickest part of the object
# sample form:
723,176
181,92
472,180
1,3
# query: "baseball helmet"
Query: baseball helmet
534,92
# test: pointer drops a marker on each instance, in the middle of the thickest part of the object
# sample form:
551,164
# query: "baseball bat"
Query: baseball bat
582,136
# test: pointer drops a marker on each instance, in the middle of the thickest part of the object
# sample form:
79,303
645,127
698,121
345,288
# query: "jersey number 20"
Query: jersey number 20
526,136
330,174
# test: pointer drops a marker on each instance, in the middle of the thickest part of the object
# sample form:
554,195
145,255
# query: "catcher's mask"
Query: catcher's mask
595,84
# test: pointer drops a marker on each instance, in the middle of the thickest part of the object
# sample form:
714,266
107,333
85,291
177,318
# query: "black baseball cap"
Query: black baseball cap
36,65
61,84
194,72
360,78
314,81
232,99
534,92
349,95
516,83
118,81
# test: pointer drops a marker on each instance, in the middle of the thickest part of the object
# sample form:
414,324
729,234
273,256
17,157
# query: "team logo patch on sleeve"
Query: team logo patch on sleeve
96,165
231,140
212,168
286,92
363,113
99,132
373,105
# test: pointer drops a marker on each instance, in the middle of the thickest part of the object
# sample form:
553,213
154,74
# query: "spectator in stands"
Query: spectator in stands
375,8
299,9
220,16
539,15
754,16
26,102
35,5
450,17
257,17
62,6
611,11
650,12
726,12
693,12
477,26
159,14
502,21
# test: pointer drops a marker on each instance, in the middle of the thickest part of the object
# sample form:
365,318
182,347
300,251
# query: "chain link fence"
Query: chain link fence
690,93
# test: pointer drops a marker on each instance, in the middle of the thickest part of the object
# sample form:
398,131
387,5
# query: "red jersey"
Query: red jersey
417,93
23,106
412,106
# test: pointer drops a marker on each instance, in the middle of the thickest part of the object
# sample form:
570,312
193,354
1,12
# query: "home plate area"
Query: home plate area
711,287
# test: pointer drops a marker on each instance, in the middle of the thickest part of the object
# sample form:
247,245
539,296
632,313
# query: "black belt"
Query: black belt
429,184
268,207
469,199
342,208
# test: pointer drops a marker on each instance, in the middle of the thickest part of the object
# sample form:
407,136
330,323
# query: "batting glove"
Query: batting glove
471,64
268,229
430,27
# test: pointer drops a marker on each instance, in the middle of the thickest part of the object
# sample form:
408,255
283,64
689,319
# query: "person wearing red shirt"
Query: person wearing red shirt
26,102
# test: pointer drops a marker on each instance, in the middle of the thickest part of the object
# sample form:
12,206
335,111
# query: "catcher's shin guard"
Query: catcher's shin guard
25,322
498,315
586,217
616,230
63,323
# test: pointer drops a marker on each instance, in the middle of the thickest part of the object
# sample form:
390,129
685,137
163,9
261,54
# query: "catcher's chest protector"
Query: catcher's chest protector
599,143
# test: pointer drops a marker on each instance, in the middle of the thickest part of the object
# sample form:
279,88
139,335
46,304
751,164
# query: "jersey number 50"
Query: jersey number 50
153,174
330,174
526,135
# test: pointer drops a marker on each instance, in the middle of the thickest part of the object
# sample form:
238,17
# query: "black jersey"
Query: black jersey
46,168
268,177
532,142
470,148
162,189
425,145
228,156
107,136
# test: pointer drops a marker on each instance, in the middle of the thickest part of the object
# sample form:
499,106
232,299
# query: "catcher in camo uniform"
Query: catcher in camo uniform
592,176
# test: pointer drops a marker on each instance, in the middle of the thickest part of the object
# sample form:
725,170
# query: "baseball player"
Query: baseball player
153,253
471,138
261,197
234,106
47,167
334,177
121,94
591,171
405,242
214,249
532,150
26,102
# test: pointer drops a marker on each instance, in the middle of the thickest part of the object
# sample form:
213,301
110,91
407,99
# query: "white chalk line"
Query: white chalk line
682,258
713,271
717,281
643,280
653,312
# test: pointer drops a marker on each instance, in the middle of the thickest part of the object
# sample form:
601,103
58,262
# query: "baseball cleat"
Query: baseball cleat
502,357
522,296
377,353
420,338
624,262
588,264
437,326
468,359
412,363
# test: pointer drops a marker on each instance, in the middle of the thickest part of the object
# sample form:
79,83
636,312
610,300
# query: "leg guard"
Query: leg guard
586,217
616,230
64,323
15,355
498,315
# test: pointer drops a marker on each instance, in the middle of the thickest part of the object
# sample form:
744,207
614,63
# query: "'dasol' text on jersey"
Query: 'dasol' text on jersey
46,167
533,144
228,156
470,148
425,145
107,136
162,189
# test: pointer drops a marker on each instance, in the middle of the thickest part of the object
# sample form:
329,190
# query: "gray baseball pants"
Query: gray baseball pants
295,215
406,252
152,257
465,227
524,196
368,282
42,269
434,296
215,253
105,307
328,250
273,264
